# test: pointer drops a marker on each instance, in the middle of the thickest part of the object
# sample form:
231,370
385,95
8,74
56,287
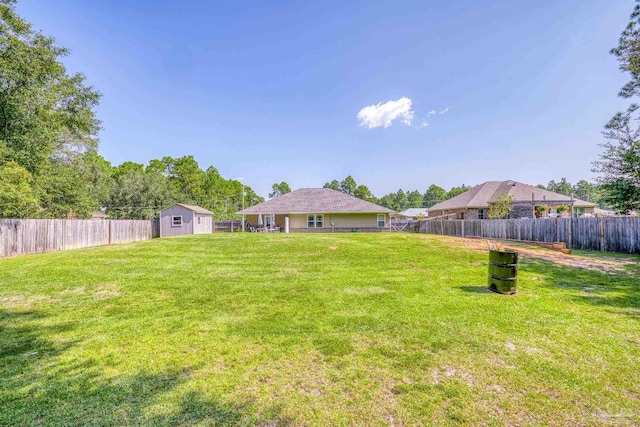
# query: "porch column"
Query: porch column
286,224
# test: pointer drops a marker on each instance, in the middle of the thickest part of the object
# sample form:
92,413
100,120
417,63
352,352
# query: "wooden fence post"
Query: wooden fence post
570,239
602,247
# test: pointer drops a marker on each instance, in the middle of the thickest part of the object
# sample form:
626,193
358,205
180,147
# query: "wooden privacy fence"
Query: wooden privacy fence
226,226
31,236
616,234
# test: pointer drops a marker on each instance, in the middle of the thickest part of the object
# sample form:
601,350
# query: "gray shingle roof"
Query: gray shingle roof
315,200
194,208
411,212
481,195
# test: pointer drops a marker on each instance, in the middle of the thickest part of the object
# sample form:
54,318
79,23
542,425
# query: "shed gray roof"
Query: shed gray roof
315,200
194,208
481,195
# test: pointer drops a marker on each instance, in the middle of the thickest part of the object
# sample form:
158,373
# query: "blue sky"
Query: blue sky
271,90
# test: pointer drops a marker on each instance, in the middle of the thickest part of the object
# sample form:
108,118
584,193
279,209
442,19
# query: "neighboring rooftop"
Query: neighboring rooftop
194,208
481,195
315,200
413,212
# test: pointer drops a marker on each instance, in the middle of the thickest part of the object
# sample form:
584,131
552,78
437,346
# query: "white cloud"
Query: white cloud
432,112
382,115
445,110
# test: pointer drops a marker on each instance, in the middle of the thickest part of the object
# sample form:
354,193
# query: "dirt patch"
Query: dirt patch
333,248
439,375
106,291
25,302
607,265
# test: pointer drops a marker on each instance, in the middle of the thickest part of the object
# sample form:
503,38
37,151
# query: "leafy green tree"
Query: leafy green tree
388,201
126,167
279,189
619,165
156,165
188,179
78,183
541,186
17,198
43,109
562,187
415,199
401,200
434,195
455,191
584,190
251,197
500,206
628,54
348,185
334,185
140,195
363,192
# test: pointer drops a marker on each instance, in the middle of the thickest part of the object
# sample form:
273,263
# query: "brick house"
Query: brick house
474,204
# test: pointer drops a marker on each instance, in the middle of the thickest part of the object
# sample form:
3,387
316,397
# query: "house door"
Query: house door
207,224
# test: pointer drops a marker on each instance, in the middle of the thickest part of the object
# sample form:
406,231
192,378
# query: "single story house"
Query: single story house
181,219
474,203
318,210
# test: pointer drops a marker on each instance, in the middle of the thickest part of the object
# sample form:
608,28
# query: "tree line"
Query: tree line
619,165
434,194
49,161
50,166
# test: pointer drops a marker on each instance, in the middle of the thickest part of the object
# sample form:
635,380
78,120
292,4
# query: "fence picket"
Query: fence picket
616,234
30,236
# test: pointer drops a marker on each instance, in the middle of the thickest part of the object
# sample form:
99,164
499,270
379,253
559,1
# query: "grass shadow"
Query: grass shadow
475,289
614,289
41,384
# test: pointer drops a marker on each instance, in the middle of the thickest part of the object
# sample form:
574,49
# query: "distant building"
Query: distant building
413,213
181,219
317,210
474,204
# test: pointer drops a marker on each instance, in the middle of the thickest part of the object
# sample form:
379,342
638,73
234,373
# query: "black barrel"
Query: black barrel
503,271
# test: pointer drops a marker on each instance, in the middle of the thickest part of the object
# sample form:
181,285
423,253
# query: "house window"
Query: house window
381,220
481,214
315,221
577,212
198,220
176,221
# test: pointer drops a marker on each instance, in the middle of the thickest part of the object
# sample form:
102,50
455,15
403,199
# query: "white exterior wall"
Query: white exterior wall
166,228
201,228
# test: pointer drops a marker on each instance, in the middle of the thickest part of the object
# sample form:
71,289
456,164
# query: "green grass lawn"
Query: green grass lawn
341,329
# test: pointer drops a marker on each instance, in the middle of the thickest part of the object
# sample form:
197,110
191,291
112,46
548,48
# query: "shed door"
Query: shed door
207,224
